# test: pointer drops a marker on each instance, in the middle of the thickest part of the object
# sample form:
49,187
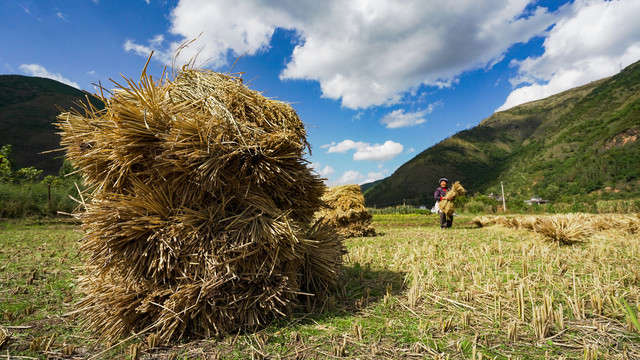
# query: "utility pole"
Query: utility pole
504,203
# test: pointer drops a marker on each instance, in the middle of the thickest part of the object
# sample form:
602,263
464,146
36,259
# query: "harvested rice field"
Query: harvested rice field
489,288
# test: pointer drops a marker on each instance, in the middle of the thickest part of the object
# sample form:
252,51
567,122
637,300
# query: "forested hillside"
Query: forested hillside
28,109
582,142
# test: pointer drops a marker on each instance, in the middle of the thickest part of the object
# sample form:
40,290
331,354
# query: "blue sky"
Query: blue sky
376,81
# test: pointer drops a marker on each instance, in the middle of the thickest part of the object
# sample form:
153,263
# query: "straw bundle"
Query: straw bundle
483,221
529,222
346,212
564,229
446,206
603,222
200,216
631,223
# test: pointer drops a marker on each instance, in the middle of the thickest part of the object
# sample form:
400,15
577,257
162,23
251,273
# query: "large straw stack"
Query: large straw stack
446,206
345,211
200,215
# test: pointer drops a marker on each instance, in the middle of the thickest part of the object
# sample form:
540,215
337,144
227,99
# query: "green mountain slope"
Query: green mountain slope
581,141
28,108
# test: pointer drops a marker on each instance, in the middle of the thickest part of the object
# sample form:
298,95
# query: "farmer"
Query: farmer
439,195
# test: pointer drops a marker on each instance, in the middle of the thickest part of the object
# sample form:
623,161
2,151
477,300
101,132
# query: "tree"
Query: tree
29,174
6,174
50,181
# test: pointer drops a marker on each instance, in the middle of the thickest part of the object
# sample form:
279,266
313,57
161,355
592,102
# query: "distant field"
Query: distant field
412,292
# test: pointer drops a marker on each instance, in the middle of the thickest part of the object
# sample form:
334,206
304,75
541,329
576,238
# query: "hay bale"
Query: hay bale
446,206
200,217
345,211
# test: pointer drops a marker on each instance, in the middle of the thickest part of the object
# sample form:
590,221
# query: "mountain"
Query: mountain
28,109
583,141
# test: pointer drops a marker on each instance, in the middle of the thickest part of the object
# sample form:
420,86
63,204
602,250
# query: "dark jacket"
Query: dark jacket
440,193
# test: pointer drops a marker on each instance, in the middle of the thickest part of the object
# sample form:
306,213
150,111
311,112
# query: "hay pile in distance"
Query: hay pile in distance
200,217
446,206
346,212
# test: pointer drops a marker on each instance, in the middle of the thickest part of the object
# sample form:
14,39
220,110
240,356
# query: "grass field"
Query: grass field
412,292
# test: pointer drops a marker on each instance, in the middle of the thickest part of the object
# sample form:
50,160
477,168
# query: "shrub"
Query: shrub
32,199
478,207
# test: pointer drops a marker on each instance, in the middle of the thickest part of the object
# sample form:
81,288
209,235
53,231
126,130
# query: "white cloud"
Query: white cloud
25,7
398,118
326,171
366,151
41,71
323,171
345,146
373,176
595,39
155,44
349,177
370,53
62,16
384,152
365,53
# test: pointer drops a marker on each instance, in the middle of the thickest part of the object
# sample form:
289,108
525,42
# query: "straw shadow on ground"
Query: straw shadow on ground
360,287
361,281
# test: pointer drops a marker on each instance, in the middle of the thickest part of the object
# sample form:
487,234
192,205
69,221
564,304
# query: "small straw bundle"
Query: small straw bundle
631,223
483,221
200,217
446,206
564,228
346,212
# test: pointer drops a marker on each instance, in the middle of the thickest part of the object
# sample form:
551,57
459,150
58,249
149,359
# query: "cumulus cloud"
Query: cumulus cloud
349,177
41,71
595,39
364,53
325,170
384,152
366,151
